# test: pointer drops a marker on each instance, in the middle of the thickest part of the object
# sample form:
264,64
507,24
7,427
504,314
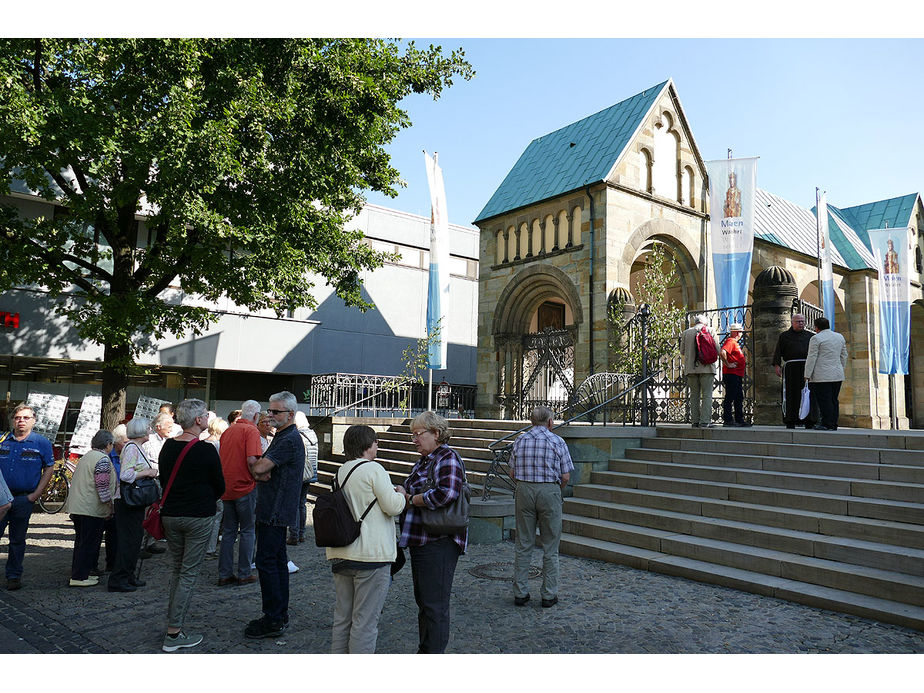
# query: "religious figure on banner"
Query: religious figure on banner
890,266
732,197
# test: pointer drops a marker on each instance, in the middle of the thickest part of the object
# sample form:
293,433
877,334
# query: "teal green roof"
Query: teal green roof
892,213
572,157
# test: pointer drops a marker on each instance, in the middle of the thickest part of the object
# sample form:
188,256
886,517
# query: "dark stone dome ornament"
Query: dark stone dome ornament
774,276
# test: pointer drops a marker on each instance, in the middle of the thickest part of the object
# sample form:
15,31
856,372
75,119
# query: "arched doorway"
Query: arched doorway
535,329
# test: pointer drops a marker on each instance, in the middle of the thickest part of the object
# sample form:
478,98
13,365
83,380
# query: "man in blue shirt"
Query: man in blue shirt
26,463
541,466
279,472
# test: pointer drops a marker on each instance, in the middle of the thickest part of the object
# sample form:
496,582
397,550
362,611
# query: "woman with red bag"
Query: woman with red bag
190,474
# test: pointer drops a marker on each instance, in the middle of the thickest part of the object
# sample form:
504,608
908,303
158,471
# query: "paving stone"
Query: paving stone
604,608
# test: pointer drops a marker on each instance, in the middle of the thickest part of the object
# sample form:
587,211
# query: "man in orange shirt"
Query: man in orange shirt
733,369
240,445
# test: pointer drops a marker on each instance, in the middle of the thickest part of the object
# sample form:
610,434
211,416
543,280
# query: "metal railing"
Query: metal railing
353,394
499,471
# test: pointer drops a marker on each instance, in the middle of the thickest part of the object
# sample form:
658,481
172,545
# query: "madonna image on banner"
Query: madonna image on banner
732,184
890,248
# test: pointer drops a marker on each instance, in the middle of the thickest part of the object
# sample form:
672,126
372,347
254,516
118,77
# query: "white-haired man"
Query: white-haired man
240,447
700,371
279,472
541,466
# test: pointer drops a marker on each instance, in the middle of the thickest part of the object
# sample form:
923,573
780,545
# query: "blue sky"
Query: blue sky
844,115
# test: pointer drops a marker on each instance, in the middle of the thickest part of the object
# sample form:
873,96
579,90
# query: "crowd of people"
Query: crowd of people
243,482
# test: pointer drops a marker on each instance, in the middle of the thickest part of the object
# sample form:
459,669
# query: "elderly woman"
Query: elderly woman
217,426
187,512
433,557
89,503
362,570
133,465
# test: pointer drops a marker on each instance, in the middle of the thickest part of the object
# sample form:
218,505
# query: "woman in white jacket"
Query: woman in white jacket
362,570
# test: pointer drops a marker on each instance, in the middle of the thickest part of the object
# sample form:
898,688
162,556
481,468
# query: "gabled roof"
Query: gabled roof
785,223
576,155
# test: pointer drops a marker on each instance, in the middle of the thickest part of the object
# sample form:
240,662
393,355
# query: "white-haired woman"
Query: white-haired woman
433,557
187,512
133,465
89,503
310,439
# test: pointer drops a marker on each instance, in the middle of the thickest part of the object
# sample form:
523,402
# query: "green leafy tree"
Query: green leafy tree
245,157
665,323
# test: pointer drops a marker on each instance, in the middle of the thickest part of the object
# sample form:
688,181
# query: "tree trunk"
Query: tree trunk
115,383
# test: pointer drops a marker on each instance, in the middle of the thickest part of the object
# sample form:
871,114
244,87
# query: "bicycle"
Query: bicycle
55,494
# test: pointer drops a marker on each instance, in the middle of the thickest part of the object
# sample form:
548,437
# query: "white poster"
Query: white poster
148,407
88,422
49,411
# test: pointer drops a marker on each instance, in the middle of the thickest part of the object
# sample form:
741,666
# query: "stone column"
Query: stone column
774,291
517,256
555,223
542,227
506,244
570,229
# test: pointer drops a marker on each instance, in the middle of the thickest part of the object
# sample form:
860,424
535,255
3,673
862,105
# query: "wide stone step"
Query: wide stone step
593,519
747,459
842,486
839,453
782,587
406,446
687,496
455,441
852,438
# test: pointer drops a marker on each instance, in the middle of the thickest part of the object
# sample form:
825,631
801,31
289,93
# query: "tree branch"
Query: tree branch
37,66
57,258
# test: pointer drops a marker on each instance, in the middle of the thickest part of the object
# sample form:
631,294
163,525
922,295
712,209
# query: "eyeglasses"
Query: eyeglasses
278,411
417,434
21,418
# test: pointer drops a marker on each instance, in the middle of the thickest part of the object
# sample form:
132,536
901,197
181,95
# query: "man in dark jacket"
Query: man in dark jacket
789,364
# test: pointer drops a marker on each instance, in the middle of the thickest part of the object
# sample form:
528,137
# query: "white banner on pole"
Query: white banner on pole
438,291
890,248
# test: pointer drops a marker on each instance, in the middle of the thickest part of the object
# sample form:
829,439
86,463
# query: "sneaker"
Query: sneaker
520,601
263,628
89,582
292,567
181,640
546,603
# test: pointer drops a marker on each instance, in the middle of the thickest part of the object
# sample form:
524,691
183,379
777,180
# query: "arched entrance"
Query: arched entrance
535,329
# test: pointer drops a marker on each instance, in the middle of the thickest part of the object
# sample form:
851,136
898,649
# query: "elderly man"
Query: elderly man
240,447
789,364
824,371
26,463
700,376
541,466
279,472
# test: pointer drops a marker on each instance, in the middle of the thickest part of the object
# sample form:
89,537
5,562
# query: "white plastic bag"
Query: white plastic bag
805,406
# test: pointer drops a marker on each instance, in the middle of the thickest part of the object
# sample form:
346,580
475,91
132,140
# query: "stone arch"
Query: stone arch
646,161
682,245
526,291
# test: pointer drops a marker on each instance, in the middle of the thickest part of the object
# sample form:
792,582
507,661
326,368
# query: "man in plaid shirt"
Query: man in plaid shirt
541,466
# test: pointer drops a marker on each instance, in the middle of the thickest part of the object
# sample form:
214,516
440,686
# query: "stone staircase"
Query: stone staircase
470,438
829,519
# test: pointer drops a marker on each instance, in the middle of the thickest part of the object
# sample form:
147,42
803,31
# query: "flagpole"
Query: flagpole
430,392
821,299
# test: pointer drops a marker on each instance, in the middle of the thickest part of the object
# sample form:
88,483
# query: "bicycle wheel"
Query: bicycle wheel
52,500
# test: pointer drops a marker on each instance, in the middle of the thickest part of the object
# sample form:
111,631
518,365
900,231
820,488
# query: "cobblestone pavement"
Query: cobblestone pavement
604,608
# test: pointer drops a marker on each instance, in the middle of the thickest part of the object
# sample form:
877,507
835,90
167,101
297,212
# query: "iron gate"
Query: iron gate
543,374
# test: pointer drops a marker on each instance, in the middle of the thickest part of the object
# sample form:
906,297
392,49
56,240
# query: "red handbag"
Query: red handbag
153,524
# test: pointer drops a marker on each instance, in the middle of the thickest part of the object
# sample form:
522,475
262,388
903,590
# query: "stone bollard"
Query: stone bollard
774,291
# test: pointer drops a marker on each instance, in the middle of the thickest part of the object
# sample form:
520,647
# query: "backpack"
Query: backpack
706,353
333,521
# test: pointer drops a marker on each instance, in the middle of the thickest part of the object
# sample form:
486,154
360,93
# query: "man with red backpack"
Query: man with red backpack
700,350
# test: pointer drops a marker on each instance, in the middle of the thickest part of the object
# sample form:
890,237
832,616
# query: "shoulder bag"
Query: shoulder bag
141,492
153,524
451,518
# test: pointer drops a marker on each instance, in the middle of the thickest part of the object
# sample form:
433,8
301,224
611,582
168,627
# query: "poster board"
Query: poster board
49,411
148,407
88,423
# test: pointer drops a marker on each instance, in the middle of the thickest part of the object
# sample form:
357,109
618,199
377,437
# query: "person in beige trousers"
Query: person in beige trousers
700,376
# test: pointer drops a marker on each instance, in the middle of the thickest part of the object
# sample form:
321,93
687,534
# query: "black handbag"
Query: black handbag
451,518
141,492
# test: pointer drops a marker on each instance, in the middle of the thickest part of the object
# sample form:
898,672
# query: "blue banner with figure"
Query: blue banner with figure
824,256
732,185
890,248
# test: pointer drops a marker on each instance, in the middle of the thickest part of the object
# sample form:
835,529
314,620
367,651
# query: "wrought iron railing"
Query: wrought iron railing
809,310
499,471
352,394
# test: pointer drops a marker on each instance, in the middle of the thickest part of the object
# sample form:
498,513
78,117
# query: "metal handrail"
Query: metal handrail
367,397
500,464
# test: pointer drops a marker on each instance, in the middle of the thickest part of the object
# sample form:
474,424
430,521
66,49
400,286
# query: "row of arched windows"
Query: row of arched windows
662,172
551,233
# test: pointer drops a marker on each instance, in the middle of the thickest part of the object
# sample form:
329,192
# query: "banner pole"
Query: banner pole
821,300
430,391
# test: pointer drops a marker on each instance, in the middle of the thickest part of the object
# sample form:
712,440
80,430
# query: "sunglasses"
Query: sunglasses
278,411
